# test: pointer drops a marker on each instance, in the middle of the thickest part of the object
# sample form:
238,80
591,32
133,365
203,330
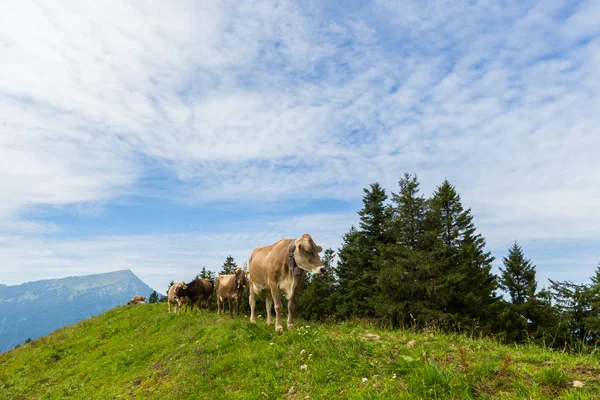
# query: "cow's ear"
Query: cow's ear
319,249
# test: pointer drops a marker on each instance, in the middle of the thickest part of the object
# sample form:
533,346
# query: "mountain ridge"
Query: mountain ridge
36,308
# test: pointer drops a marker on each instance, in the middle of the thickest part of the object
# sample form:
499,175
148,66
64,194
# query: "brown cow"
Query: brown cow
231,287
137,300
204,292
173,298
277,268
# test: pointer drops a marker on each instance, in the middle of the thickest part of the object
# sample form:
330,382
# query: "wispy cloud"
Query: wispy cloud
201,103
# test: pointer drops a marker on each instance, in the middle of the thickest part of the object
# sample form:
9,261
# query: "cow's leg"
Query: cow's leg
252,301
169,301
219,305
290,319
230,308
269,304
278,307
178,308
237,305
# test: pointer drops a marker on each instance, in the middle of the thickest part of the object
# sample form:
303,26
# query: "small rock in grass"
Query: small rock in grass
411,343
578,384
372,336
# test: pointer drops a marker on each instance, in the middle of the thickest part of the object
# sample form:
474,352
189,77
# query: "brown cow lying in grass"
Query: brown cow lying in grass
231,287
137,300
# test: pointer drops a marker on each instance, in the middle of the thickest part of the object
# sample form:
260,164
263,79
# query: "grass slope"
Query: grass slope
143,352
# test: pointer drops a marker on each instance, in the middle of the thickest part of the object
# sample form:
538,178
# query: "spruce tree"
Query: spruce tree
153,298
206,274
351,259
575,305
520,317
464,282
404,277
409,212
518,276
356,268
228,267
375,216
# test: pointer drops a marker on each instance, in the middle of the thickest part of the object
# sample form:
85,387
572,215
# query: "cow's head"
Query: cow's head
306,254
241,279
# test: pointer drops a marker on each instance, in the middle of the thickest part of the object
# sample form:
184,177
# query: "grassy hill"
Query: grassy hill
142,352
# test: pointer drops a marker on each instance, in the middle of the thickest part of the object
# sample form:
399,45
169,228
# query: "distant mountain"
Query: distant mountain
34,309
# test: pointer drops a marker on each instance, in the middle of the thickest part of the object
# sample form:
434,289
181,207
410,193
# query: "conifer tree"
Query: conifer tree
518,276
229,266
206,274
575,305
153,298
409,212
356,268
351,259
465,284
520,317
404,277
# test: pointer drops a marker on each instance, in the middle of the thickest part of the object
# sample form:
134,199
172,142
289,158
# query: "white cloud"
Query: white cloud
270,101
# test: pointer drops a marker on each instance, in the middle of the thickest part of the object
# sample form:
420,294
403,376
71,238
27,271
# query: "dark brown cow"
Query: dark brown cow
197,290
276,268
208,287
231,287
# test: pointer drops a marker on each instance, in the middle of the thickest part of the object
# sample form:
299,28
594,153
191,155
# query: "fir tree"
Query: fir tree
375,216
574,303
409,212
357,271
518,279
465,284
351,260
206,274
518,276
228,267
153,298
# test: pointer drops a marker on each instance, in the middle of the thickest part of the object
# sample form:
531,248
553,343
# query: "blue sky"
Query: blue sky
163,137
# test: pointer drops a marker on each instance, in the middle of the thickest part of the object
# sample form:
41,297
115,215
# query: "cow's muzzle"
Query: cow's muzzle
319,270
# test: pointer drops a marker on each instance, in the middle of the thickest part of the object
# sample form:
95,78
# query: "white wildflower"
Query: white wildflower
303,351
364,380
310,355
394,376
304,367
271,344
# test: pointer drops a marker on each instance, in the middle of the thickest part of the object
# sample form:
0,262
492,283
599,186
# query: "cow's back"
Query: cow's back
268,263
225,285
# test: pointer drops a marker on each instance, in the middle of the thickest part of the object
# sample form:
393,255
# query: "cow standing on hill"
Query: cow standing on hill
204,294
173,298
277,268
197,290
231,287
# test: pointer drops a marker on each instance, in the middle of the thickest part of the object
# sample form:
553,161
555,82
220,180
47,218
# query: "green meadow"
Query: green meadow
141,352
